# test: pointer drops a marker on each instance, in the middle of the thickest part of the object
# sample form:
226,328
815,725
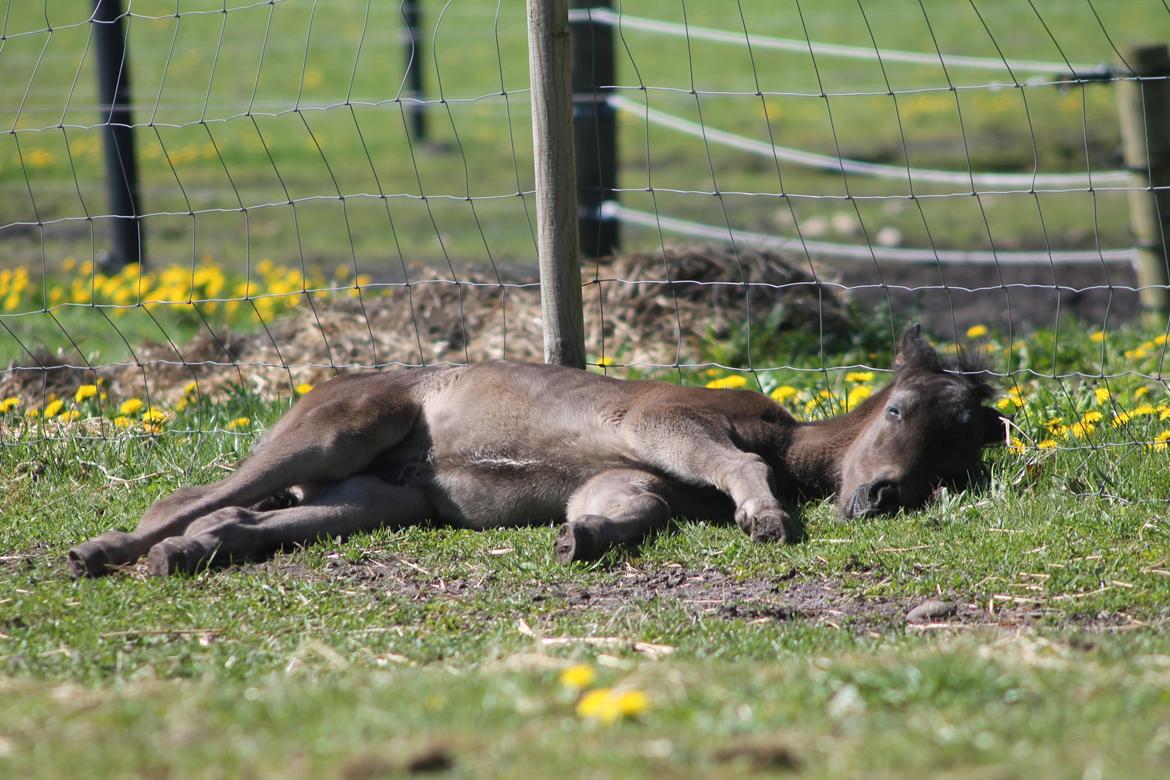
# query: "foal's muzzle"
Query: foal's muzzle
876,498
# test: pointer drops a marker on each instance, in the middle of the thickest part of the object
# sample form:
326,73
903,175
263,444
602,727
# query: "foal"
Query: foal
500,444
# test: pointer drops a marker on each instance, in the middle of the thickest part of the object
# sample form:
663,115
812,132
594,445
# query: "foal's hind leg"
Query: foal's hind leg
360,503
332,433
622,506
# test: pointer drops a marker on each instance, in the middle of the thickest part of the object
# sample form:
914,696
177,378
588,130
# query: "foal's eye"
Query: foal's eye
893,413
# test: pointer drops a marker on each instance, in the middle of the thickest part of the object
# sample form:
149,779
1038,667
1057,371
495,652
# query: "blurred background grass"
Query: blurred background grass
276,132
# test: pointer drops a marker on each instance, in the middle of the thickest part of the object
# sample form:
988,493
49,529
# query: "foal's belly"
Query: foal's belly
498,492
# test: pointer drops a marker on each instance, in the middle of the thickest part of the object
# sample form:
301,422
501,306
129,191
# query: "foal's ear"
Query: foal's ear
995,427
915,352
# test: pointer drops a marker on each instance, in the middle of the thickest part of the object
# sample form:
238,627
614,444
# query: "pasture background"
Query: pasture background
355,659
245,112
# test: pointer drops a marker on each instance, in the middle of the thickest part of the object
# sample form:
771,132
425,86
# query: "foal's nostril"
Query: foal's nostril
883,495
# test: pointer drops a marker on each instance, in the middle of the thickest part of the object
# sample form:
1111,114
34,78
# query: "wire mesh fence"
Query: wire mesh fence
345,185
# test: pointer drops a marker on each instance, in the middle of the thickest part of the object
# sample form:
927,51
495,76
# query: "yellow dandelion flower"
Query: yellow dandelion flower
1141,391
606,706
8,404
976,331
1017,446
1135,354
69,416
131,406
1053,424
40,158
578,676
342,271
1046,444
52,408
191,388
1102,394
239,422
32,412
154,416
633,703
859,376
600,705
1092,416
1161,440
1080,430
1097,336
1120,419
1143,410
783,393
84,392
857,395
729,382
1005,405
304,388
122,422
152,428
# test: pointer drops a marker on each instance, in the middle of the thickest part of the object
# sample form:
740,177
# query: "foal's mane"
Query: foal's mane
973,370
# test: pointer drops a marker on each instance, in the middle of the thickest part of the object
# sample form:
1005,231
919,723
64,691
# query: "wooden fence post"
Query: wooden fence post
113,72
556,182
1144,106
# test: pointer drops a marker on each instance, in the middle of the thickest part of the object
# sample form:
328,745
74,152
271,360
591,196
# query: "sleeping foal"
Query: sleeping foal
501,444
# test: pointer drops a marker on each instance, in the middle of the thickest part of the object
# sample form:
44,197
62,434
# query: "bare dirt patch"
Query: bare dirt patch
706,594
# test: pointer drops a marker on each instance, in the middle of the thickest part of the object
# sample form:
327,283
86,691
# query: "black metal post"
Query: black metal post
594,126
412,18
113,70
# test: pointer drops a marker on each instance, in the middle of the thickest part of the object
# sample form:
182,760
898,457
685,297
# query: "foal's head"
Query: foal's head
923,431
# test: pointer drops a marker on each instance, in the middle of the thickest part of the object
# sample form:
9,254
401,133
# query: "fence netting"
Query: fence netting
796,182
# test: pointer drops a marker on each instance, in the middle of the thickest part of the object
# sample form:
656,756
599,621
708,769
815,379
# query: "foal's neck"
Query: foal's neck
817,449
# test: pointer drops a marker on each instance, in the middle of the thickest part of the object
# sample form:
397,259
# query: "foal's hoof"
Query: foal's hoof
177,555
576,543
769,527
100,556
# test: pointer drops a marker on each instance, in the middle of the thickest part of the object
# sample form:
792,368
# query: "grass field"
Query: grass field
249,152
221,134
394,652
476,654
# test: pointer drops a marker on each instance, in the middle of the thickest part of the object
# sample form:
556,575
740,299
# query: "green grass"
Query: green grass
310,60
356,658
51,173
302,668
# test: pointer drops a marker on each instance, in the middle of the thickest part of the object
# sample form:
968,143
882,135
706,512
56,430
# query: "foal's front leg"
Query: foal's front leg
695,447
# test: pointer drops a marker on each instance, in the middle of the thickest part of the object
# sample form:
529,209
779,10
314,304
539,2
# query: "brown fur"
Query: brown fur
502,444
